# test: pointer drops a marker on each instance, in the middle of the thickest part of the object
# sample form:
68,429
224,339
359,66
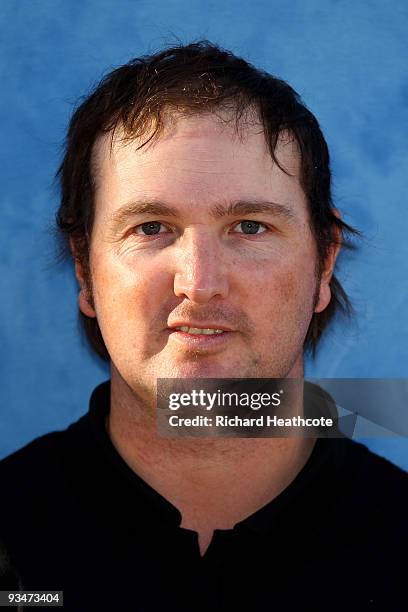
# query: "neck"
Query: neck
199,476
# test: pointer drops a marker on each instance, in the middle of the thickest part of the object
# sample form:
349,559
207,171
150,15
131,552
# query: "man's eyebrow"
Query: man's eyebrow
245,207
140,207
233,209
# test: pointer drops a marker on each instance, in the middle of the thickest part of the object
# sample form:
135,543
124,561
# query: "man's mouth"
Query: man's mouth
199,331
200,336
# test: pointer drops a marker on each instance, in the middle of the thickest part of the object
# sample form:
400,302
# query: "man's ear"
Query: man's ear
327,272
84,301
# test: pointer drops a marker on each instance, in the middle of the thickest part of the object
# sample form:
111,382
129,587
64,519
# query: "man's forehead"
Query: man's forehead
197,174
111,148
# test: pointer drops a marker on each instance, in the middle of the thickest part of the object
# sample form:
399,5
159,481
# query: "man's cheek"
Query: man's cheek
287,298
281,287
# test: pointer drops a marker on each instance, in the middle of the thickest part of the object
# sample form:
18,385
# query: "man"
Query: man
196,202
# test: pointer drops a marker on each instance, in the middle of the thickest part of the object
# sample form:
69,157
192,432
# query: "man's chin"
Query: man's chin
195,371
210,368
201,369
227,370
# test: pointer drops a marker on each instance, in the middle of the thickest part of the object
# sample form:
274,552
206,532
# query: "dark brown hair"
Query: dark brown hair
195,78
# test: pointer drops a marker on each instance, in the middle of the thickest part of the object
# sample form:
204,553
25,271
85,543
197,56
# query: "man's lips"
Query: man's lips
201,335
195,325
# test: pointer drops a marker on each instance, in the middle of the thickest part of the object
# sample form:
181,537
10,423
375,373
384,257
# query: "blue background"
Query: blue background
348,61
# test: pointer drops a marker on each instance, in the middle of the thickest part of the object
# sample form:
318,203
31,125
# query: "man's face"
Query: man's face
201,230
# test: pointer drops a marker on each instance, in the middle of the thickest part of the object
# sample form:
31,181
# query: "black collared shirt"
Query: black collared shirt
75,517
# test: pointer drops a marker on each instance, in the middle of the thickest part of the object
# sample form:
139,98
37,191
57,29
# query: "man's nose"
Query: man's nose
200,270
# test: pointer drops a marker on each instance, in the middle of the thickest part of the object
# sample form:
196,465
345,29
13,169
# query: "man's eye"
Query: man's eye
150,228
250,227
